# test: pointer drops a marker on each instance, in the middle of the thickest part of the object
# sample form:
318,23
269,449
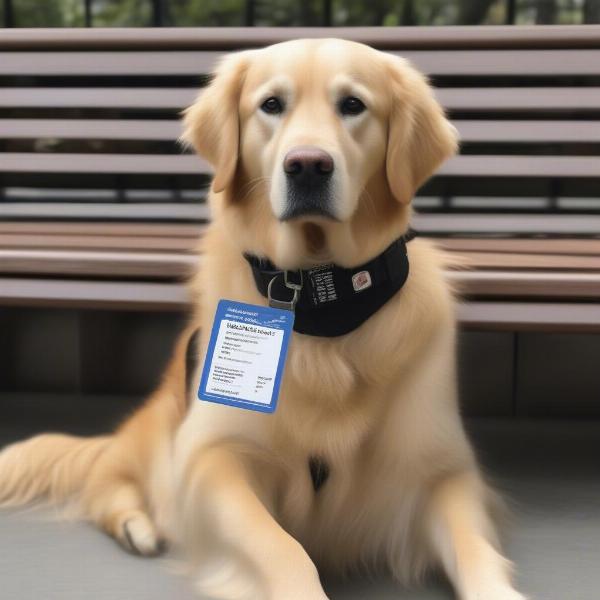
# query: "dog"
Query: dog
318,147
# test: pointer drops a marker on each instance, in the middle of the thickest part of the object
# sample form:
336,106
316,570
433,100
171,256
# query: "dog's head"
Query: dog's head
316,145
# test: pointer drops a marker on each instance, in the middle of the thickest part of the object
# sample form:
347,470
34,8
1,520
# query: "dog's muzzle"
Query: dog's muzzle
308,172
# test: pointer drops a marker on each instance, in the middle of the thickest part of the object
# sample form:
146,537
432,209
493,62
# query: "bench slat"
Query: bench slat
100,242
521,166
531,316
529,99
165,259
468,165
169,130
121,295
106,229
232,38
506,62
528,131
34,162
103,211
545,316
20,249
143,265
514,284
183,235
436,224
491,260
483,260
105,129
98,97
486,253
520,204
528,246
108,63
447,224
521,98
451,62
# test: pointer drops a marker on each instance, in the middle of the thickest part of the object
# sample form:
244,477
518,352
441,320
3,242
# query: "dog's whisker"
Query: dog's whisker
250,186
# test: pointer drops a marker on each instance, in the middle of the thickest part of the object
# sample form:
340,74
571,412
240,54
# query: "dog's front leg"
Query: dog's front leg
463,539
242,551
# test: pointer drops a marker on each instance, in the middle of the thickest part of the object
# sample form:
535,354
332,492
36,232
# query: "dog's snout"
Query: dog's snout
308,164
308,171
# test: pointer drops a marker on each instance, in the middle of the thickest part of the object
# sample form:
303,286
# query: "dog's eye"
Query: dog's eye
351,105
272,106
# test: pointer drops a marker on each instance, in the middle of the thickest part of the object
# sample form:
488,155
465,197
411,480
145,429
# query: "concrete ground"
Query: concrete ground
550,471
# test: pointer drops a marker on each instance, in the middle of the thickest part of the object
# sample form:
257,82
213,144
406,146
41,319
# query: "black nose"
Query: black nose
308,165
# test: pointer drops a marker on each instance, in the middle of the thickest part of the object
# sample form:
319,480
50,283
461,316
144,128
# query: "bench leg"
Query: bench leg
463,539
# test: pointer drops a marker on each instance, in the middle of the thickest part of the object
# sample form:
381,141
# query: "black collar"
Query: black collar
334,300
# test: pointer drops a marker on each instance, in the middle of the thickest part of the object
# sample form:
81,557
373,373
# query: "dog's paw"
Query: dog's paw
506,595
502,592
139,536
227,578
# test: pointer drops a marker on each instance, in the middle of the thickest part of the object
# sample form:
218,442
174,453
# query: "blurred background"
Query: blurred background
285,13
101,210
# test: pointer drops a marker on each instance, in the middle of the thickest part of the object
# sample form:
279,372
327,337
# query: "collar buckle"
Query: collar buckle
291,285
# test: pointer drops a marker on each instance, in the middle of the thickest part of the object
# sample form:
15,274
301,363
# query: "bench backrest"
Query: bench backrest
89,121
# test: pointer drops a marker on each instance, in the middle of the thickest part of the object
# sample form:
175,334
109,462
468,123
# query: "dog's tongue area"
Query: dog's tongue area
315,238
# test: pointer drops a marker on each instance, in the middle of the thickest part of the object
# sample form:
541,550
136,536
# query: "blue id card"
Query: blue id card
246,355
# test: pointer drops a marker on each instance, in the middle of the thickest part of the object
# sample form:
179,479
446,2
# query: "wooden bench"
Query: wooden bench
100,208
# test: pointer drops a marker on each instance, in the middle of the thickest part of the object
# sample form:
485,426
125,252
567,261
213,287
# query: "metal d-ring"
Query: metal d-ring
285,304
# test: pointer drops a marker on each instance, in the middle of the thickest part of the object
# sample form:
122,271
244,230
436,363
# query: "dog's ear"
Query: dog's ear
211,124
420,137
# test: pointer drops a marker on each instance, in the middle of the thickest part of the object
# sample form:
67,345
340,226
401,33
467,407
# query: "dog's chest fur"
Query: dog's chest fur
326,431
356,496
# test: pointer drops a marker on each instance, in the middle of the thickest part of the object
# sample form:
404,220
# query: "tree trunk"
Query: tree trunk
591,11
545,13
473,12
9,15
408,16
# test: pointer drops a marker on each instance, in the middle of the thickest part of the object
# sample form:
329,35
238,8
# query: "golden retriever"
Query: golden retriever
377,405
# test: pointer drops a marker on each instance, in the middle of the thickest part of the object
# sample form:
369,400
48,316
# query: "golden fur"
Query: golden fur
232,486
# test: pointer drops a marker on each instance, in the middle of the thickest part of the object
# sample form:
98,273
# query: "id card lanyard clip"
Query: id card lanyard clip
296,287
